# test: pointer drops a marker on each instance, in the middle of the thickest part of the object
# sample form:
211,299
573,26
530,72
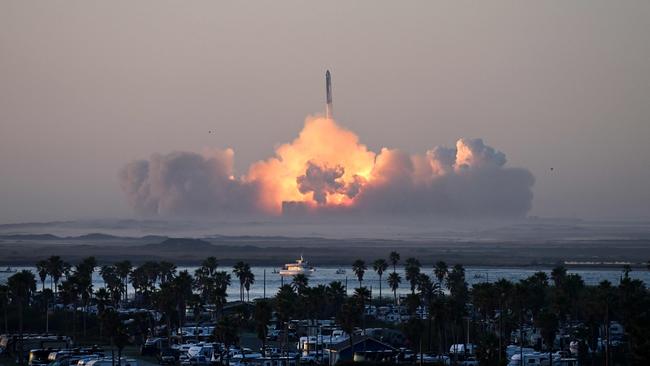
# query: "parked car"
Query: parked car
199,361
167,356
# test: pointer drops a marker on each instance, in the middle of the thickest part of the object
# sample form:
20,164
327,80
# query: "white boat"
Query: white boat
300,266
340,271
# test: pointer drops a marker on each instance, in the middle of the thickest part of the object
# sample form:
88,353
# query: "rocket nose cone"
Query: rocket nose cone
327,73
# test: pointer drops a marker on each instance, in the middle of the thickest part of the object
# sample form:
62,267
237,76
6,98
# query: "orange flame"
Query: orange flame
321,142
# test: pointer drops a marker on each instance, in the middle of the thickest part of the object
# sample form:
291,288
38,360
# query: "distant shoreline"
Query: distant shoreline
528,243
275,251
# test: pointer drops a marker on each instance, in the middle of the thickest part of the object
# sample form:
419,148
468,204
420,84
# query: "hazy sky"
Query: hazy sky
86,87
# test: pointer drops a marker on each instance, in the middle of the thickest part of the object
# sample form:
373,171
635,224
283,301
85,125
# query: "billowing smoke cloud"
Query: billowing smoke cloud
469,180
188,184
321,180
326,169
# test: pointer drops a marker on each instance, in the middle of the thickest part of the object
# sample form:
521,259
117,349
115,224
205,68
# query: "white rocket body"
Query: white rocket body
329,110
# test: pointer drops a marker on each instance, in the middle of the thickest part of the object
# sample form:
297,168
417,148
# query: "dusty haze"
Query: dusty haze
86,87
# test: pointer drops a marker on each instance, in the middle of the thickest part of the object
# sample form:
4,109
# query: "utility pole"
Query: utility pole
500,324
329,355
521,339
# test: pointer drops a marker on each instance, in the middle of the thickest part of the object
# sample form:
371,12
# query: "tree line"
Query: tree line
443,308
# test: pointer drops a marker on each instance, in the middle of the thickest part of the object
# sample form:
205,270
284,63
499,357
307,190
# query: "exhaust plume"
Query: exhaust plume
327,169
186,183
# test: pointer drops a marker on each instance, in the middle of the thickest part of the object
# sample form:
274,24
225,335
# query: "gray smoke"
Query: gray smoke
321,181
185,183
468,180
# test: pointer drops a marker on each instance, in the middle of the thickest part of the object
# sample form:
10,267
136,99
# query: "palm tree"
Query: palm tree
440,271
359,267
285,304
394,280
605,295
144,278
548,323
519,307
427,288
41,269
21,287
164,300
300,283
626,271
412,270
103,298
112,282
394,259
361,296
488,350
249,280
315,307
47,296
428,291
558,275
227,331
349,317
140,282
166,270
380,265
84,279
4,302
67,269
221,283
196,304
182,285
412,302
204,283
459,296
413,330
222,279
87,267
437,310
116,331
210,264
204,278
335,293
123,269
85,287
69,290
55,268
152,272
263,315
239,269
503,290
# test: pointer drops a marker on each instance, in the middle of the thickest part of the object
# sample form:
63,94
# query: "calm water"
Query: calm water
325,275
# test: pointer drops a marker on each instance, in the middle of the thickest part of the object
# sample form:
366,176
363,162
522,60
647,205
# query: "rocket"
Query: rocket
328,92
